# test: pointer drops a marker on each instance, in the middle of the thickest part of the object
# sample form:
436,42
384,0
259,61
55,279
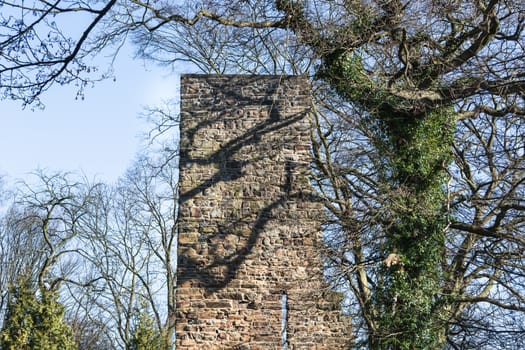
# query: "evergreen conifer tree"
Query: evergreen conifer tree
34,320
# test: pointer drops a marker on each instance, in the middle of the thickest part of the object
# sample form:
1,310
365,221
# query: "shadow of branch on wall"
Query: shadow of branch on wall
224,258
213,261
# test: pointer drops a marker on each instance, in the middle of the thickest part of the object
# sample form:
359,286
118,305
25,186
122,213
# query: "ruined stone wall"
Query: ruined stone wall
250,229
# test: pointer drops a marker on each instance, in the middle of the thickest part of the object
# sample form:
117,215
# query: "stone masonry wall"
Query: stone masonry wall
250,229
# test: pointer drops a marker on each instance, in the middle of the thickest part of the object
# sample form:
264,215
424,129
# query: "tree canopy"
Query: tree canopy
417,129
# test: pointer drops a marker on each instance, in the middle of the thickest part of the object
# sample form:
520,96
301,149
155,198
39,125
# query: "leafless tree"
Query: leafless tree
110,251
403,59
129,240
38,235
21,246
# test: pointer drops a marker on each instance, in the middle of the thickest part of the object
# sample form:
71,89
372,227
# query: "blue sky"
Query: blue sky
98,136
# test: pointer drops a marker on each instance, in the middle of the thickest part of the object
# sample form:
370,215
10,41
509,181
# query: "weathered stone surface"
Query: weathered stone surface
250,227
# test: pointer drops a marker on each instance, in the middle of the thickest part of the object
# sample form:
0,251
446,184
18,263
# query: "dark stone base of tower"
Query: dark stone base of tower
250,273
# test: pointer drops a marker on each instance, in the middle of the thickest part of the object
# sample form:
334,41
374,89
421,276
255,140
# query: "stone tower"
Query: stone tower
250,274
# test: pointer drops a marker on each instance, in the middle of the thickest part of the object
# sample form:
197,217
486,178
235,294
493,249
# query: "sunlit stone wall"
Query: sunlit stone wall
250,272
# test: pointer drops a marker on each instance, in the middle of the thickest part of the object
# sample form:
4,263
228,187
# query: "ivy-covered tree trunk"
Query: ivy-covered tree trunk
418,150
34,322
416,144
